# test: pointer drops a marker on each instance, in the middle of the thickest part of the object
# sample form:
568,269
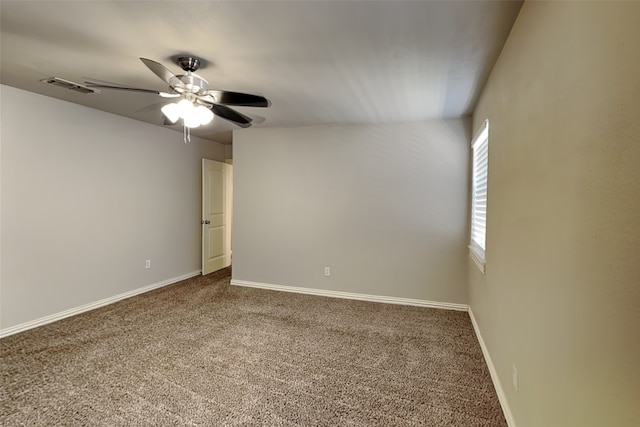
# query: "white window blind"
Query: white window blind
480,147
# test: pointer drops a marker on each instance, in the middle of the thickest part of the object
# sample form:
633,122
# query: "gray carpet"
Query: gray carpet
201,352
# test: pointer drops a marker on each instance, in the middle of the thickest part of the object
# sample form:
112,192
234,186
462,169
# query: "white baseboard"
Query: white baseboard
91,306
349,295
494,374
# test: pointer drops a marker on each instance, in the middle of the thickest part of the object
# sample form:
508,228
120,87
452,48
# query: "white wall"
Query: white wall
561,294
87,197
384,206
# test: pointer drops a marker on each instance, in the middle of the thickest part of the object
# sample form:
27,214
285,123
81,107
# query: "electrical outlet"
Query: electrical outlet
514,378
147,264
327,271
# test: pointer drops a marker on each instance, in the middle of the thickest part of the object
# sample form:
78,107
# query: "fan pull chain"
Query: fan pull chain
186,134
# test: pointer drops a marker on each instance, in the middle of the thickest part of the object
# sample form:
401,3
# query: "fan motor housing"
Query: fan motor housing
194,83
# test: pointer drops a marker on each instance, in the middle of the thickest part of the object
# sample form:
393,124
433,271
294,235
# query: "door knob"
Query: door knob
206,221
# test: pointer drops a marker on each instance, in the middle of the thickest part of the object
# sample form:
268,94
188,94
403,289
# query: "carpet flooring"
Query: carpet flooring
202,352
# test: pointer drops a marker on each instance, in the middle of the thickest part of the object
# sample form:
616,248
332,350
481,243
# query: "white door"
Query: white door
216,233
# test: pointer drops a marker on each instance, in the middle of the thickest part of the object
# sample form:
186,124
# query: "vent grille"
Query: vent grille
68,85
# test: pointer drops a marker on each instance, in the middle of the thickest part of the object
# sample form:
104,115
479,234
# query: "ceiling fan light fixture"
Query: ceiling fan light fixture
193,116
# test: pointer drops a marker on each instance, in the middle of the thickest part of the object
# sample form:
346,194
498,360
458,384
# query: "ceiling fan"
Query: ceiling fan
197,104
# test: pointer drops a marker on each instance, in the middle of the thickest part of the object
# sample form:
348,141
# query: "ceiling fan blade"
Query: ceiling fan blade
163,72
231,115
102,82
238,99
257,119
156,106
133,89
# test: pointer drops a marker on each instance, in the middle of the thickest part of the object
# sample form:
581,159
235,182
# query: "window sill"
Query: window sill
477,259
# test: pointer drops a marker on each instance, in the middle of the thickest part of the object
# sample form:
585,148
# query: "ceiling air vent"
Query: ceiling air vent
68,85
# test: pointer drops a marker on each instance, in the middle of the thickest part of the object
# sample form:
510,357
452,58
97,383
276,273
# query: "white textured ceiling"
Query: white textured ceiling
318,62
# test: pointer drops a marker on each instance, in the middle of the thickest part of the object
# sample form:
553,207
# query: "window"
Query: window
480,147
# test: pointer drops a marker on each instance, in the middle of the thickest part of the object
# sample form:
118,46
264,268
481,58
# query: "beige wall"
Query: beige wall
384,206
228,152
87,197
561,294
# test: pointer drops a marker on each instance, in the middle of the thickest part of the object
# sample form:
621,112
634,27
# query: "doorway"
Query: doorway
217,204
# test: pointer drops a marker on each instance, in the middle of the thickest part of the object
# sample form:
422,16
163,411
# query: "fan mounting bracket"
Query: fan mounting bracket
189,63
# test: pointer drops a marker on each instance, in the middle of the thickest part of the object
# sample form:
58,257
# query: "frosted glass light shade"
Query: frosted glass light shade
185,108
192,121
171,112
204,114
